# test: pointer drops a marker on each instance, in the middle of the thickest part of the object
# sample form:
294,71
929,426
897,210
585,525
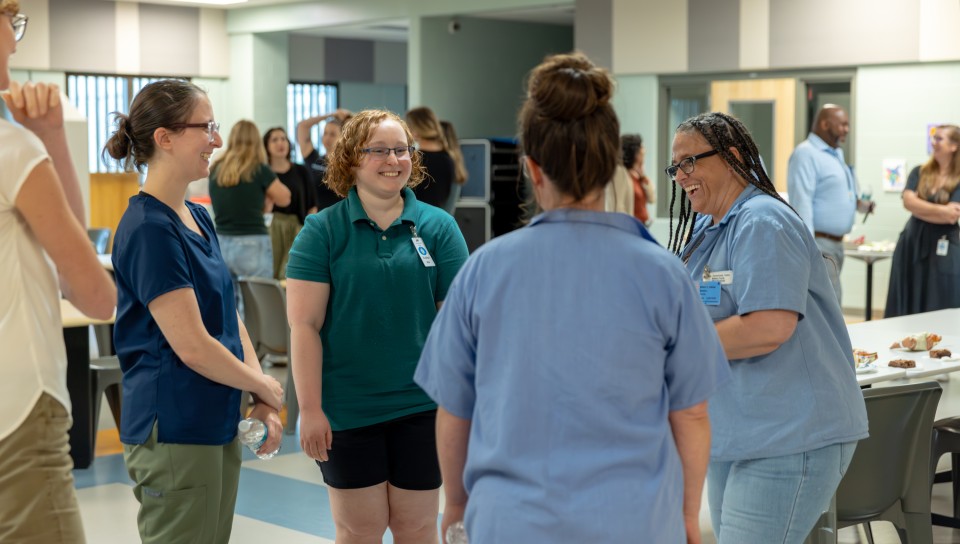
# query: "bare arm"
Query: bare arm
178,316
83,280
453,435
691,433
278,193
941,214
756,333
306,312
262,411
303,129
37,107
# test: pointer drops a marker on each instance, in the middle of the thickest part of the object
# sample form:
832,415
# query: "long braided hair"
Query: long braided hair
722,132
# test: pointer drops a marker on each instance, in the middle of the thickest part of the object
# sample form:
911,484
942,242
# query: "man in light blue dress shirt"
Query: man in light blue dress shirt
822,187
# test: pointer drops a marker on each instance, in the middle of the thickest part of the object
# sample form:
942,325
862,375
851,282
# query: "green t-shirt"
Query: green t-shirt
382,303
238,210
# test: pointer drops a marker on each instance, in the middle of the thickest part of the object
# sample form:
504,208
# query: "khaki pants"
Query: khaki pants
38,504
187,493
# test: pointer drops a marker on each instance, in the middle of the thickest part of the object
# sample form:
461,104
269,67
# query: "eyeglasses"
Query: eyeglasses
212,127
687,164
19,23
382,153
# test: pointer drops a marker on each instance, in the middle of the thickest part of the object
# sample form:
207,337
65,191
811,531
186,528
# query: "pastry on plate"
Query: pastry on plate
922,341
863,357
902,363
940,353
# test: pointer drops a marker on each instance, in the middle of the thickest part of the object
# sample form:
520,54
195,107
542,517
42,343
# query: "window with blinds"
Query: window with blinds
307,100
97,97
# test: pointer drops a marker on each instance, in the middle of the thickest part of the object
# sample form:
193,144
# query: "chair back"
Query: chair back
893,463
265,315
99,238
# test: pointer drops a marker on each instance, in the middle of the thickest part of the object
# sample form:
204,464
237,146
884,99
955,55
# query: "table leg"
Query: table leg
869,303
77,340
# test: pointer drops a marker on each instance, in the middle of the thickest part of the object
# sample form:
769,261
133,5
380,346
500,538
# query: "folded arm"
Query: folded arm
756,333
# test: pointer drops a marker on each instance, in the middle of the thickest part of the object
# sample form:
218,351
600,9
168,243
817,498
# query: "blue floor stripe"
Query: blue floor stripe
287,502
105,470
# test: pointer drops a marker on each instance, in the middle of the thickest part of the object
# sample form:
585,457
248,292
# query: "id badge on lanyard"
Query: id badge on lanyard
421,248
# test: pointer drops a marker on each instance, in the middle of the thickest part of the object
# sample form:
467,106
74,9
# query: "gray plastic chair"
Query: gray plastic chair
266,321
889,477
105,378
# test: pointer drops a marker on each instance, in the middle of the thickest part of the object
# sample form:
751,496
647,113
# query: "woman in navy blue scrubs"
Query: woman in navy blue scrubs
186,356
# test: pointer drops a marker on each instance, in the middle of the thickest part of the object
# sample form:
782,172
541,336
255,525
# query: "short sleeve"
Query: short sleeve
770,263
264,176
310,254
450,254
153,260
20,154
802,184
695,363
447,368
913,180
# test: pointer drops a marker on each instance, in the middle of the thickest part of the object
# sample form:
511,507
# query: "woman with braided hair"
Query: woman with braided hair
773,466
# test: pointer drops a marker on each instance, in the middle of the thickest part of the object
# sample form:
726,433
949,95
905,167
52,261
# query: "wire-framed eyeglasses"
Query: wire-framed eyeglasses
211,127
687,164
382,153
19,23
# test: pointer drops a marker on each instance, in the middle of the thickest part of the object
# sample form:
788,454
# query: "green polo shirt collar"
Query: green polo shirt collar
356,212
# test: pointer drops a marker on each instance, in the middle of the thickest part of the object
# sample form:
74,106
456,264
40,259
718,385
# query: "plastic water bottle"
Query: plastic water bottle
253,433
456,534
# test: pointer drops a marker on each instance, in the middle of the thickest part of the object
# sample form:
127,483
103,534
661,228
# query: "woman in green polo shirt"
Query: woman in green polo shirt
364,281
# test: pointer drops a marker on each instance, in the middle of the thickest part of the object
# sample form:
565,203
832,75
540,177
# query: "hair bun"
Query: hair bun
569,87
120,144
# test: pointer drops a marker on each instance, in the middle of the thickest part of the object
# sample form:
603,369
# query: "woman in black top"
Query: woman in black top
287,220
437,159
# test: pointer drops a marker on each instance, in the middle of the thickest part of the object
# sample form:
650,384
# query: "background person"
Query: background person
925,274
453,144
823,190
643,193
41,216
613,440
287,220
185,354
440,168
361,297
311,156
242,189
773,468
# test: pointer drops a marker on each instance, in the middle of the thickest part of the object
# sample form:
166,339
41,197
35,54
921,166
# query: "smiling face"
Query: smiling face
194,145
712,186
944,144
278,146
384,177
835,127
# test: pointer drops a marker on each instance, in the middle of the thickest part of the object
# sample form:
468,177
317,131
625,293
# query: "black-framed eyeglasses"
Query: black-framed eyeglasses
382,153
211,127
19,23
687,164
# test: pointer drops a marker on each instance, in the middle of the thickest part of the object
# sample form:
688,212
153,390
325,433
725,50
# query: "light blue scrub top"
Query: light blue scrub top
568,343
822,187
803,395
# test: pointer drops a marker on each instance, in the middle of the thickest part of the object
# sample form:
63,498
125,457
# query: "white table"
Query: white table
880,334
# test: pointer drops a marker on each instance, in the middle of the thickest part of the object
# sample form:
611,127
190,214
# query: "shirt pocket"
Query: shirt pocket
727,306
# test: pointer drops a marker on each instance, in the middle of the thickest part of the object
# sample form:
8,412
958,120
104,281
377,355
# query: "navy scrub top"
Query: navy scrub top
155,253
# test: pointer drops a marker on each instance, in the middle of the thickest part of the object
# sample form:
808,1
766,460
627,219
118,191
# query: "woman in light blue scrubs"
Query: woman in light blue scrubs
786,425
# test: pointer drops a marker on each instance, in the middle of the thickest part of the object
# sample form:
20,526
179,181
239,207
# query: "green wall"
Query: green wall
475,77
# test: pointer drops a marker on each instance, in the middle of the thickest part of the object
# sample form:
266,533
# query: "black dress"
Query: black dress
921,280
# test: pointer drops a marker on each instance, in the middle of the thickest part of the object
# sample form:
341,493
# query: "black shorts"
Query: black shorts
401,451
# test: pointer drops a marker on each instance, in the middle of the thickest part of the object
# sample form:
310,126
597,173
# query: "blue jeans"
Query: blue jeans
777,499
246,255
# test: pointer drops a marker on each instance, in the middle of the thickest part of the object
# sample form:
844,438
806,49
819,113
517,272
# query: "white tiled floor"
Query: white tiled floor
110,510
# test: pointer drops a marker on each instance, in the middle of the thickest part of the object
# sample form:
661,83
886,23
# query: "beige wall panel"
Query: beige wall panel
214,50
783,93
33,52
754,34
649,37
938,30
128,37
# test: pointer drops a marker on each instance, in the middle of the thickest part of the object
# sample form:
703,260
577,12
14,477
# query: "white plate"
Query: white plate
868,368
943,359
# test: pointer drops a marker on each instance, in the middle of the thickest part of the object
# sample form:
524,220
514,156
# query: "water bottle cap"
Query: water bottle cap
244,426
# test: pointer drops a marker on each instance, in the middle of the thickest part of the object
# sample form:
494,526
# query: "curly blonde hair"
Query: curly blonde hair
11,7
345,157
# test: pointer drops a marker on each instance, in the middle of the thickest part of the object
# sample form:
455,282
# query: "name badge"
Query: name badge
942,246
710,293
422,251
725,277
